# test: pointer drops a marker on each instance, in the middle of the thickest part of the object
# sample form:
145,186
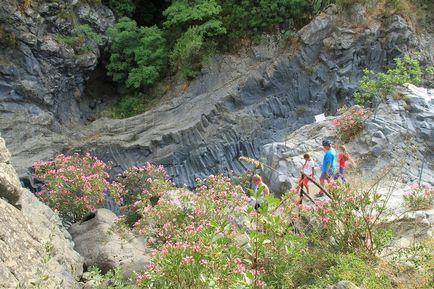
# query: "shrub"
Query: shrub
419,198
252,17
213,237
350,123
75,185
128,106
144,186
138,54
380,85
83,39
7,39
352,219
122,8
354,269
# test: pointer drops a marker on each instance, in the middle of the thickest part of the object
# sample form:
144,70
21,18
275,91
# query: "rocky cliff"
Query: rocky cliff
35,251
238,104
42,72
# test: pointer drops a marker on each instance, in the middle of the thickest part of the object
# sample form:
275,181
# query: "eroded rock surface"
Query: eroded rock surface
42,77
103,247
35,251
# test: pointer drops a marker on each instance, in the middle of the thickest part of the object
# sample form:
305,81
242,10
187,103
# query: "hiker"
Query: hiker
307,170
328,164
257,184
343,157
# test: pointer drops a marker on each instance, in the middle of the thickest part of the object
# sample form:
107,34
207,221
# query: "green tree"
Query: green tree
194,29
121,8
249,18
138,54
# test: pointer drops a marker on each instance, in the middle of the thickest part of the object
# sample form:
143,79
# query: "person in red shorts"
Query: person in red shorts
308,170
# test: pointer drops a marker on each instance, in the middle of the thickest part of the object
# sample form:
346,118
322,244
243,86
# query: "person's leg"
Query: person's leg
306,184
322,179
341,173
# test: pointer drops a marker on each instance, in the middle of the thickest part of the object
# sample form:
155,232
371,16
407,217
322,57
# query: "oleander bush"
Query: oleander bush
350,123
419,197
213,237
75,185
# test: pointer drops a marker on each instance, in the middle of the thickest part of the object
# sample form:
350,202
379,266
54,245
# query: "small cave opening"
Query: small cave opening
99,95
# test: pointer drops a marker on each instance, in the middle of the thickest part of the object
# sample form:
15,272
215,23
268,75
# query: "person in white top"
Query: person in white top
308,170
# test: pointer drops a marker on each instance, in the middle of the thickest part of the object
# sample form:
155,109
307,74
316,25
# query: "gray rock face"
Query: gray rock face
41,77
106,249
35,251
236,106
395,136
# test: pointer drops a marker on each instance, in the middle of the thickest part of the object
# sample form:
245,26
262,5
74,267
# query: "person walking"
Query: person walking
343,157
307,170
328,164
257,185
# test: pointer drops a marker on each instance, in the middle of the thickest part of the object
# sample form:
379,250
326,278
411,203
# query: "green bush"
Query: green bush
380,85
354,269
122,8
83,39
128,106
138,54
249,18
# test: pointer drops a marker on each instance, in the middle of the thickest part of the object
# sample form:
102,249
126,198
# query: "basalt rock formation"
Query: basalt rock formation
238,104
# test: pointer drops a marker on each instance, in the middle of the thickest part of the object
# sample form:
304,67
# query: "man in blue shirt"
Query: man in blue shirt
328,164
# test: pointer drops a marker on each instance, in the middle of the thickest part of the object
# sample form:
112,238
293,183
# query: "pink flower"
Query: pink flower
203,262
140,279
150,266
187,260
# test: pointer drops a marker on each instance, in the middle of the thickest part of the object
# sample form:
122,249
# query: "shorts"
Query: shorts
324,176
305,182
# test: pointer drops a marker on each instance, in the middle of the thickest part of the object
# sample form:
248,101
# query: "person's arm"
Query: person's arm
329,164
313,172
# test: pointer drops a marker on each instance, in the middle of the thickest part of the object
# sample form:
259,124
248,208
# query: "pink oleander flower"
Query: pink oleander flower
187,260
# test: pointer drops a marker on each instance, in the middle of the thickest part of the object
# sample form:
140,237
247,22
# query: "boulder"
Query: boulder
35,250
107,249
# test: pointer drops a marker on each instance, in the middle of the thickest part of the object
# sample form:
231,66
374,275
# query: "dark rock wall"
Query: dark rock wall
281,94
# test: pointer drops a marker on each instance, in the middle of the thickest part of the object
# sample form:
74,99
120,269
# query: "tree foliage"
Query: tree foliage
380,85
138,54
249,18
196,27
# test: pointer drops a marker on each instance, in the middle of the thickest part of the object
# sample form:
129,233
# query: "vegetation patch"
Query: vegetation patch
83,39
378,85
214,237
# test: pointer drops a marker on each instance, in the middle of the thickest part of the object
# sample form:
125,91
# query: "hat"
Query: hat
326,142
